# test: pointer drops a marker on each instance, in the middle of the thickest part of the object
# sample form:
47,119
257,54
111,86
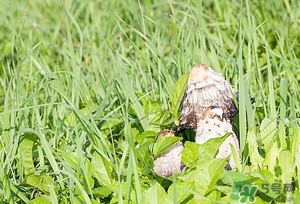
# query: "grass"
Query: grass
86,87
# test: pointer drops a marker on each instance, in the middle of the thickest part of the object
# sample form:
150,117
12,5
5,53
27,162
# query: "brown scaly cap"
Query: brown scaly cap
198,73
205,88
166,133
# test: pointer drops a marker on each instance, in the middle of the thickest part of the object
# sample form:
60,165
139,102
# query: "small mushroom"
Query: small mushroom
169,162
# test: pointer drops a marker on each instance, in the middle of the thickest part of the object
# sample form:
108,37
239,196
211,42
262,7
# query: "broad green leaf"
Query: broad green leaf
118,188
79,199
189,153
227,190
148,134
108,124
255,157
295,142
181,191
228,199
101,191
143,154
271,156
265,175
206,174
268,130
197,198
259,200
152,109
71,158
177,95
163,144
286,162
231,177
212,196
40,200
42,182
237,180
210,148
87,180
265,180
163,120
101,169
25,149
144,136
203,152
156,194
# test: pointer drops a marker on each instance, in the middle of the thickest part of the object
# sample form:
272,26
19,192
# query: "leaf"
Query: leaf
268,130
204,152
152,109
25,149
255,157
71,158
224,189
164,119
80,199
282,136
39,200
271,156
265,175
156,194
101,169
108,124
212,196
235,157
144,136
295,142
101,191
42,182
177,95
231,177
207,174
210,148
118,188
144,155
283,97
189,153
163,144
286,162
181,191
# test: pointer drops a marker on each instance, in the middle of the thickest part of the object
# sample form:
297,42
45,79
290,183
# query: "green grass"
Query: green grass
86,87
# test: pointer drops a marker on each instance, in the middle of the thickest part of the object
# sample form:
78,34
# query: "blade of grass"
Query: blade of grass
283,97
242,99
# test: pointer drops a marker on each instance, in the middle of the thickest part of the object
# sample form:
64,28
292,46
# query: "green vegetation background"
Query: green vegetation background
85,87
